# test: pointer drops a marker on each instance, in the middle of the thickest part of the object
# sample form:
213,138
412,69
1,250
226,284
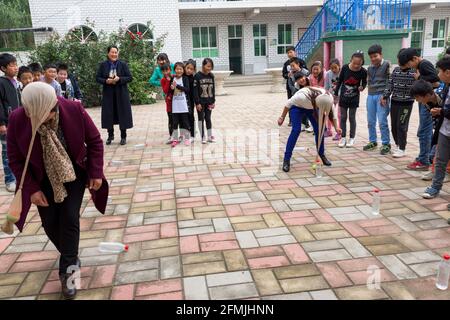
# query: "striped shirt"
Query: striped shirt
400,83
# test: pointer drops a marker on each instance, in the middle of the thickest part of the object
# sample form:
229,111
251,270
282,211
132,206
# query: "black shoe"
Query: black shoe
325,161
69,291
290,124
78,263
109,140
286,165
123,141
385,149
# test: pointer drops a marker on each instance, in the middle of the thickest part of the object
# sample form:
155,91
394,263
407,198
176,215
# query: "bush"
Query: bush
84,58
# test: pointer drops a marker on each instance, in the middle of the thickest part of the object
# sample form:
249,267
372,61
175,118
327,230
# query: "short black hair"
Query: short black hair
35,67
208,60
50,66
407,55
163,56
22,70
6,59
443,64
421,88
304,73
165,67
358,54
191,62
178,64
375,48
294,60
335,61
62,66
290,48
112,47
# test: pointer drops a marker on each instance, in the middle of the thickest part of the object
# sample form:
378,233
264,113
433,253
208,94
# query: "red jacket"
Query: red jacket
165,85
84,146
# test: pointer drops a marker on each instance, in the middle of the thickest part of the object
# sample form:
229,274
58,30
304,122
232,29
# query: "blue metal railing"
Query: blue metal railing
345,15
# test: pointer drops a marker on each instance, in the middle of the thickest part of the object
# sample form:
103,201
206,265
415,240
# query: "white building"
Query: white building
245,36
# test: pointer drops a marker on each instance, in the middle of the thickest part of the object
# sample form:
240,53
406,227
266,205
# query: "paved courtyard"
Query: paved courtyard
236,229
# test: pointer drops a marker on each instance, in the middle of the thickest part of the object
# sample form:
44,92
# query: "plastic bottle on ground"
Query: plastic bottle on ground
376,202
443,273
112,247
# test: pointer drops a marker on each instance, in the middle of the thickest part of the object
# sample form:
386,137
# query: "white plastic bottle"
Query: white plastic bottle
443,273
376,202
112,247
319,171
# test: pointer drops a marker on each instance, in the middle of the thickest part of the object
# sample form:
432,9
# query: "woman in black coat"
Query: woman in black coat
115,75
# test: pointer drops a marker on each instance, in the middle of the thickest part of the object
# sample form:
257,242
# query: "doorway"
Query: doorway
235,48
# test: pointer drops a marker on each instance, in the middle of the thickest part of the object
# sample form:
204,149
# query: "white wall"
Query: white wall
430,15
63,15
221,21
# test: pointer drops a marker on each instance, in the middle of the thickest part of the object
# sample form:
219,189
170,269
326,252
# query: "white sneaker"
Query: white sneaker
211,139
169,141
399,153
11,187
351,142
342,143
192,140
204,141
428,176
309,129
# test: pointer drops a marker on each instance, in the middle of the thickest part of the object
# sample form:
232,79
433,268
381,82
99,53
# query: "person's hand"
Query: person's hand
280,121
435,112
339,131
383,101
173,85
109,81
95,184
199,107
3,130
417,75
39,199
361,88
116,79
211,106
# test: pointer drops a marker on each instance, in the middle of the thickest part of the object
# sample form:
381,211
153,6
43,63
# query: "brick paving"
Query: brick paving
202,230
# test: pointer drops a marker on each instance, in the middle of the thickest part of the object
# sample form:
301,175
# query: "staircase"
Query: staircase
242,81
337,16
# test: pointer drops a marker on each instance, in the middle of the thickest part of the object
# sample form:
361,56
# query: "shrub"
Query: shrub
84,58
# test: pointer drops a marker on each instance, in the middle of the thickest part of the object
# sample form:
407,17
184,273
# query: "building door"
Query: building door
235,48
260,48
417,33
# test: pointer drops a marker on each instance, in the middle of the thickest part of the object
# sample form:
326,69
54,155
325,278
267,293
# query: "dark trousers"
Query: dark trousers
61,221
170,122
123,133
204,116
350,114
180,120
400,114
192,121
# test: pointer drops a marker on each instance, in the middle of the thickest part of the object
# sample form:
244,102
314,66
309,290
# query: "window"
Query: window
141,30
260,39
235,31
204,42
284,37
417,34
438,40
83,34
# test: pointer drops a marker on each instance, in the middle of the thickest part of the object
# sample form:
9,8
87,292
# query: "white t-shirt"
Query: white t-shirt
301,99
179,101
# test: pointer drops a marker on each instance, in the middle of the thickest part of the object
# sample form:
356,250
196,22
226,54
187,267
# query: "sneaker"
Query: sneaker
342,143
428,176
385,149
174,143
337,137
430,193
192,140
211,139
399,153
417,165
11,187
169,141
370,146
286,165
309,129
187,142
325,161
448,207
351,142
204,141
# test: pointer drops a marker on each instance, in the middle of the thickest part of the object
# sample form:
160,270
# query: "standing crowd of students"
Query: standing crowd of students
391,91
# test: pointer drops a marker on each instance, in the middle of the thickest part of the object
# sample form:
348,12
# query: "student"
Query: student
303,102
378,79
294,66
423,92
288,73
156,77
331,79
49,77
37,71
9,101
317,78
166,82
25,76
352,80
189,70
399,93
443,148
180,106
205,98
425,71
68,82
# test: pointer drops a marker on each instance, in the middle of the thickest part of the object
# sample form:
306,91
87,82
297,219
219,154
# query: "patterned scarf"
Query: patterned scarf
57,163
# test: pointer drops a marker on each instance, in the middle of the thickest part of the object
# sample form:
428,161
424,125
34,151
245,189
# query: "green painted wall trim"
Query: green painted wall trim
366,34
390,45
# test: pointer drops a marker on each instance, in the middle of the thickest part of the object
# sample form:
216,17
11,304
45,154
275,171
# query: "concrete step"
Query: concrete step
239,81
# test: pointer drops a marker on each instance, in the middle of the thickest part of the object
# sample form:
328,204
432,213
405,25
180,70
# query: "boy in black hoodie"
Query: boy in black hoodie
9,101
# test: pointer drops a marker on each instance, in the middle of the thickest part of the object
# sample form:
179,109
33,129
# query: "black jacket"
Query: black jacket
286,72
191,92
204,89
10,99
76,88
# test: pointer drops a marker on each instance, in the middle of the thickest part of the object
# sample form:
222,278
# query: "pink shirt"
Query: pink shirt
316,83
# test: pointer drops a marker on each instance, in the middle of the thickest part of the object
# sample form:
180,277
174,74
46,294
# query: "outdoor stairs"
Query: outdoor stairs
243,81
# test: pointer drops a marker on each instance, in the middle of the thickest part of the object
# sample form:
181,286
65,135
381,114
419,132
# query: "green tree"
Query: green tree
15,14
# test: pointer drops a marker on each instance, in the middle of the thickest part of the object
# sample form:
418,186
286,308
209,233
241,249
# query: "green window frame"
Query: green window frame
438,40
417,34
284,37
260,40
204,42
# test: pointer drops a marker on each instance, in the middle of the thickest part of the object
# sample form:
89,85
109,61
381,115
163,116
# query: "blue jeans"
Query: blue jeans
9,176
297,115
425,135
375,111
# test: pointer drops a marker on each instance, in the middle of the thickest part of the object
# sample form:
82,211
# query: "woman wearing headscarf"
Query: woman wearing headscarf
55,152
115,75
